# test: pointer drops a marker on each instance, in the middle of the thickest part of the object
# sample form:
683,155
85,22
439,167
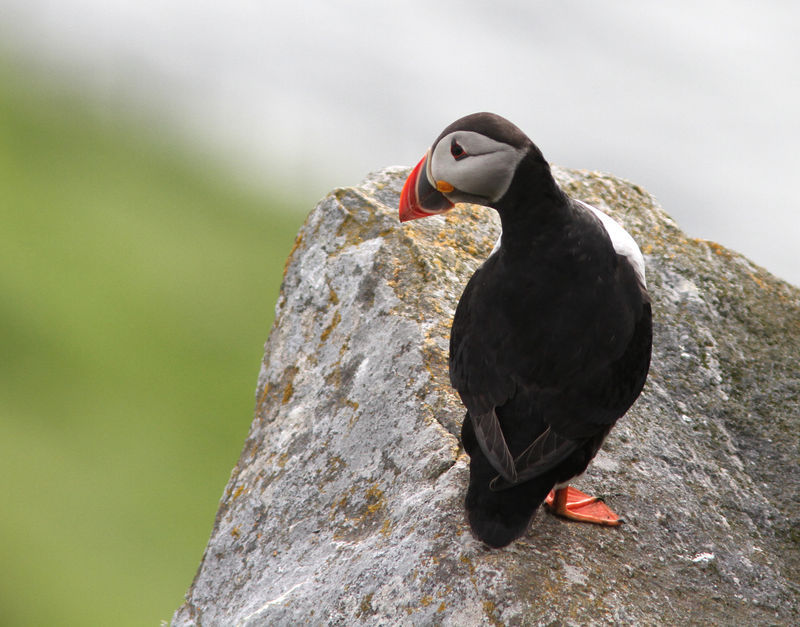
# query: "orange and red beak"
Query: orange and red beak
420,199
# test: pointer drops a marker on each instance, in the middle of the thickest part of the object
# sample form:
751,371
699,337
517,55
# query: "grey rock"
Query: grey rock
346,504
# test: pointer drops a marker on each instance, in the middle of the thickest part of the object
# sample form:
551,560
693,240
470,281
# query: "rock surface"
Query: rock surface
346,504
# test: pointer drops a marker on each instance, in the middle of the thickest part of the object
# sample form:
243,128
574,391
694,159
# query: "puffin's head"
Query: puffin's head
473,160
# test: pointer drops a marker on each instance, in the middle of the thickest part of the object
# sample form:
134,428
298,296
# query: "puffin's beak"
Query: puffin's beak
419,199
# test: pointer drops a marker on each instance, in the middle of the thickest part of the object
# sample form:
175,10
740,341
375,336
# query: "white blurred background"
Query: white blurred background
696,101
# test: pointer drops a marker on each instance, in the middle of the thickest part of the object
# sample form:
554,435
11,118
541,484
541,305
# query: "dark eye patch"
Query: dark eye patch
457,150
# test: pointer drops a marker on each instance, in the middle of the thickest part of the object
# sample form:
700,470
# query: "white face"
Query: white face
474,165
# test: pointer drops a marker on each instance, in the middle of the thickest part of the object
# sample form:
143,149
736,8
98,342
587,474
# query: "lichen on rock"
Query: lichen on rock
346,504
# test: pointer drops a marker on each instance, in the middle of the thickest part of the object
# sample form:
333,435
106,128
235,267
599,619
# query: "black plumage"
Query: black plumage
550,343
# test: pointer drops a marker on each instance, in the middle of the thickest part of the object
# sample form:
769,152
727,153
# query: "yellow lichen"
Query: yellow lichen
298,240
287,392
332,295
365,608
337,318
335,463
465,560
758,281
490,609
374,497
262,397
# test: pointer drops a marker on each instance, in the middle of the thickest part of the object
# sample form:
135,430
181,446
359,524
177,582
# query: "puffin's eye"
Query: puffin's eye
457,151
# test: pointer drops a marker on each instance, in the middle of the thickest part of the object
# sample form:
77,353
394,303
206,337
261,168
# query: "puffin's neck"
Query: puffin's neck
534,207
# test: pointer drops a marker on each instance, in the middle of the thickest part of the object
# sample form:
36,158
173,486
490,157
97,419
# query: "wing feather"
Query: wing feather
548,450
493,444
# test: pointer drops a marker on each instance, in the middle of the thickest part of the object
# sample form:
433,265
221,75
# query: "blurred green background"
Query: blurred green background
137,288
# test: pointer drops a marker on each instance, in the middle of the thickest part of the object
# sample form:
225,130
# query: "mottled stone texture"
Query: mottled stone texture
346,504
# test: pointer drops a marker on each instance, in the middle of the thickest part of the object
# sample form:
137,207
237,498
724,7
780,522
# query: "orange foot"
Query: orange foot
575,505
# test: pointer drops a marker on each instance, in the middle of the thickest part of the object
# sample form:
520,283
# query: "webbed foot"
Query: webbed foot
575,505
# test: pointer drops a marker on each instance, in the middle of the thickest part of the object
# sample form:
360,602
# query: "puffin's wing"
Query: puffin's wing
547,451
491,440
479,377
607,389
581,413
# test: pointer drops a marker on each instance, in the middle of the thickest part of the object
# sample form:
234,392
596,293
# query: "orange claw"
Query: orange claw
575,505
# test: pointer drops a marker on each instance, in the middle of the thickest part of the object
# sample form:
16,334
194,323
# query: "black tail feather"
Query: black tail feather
498,517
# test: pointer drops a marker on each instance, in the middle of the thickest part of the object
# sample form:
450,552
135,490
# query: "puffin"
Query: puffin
551,339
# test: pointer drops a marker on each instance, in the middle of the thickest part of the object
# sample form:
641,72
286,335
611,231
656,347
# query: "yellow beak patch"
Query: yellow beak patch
444,187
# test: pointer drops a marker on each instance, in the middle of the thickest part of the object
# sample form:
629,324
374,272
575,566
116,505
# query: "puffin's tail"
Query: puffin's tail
498,517
498,520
